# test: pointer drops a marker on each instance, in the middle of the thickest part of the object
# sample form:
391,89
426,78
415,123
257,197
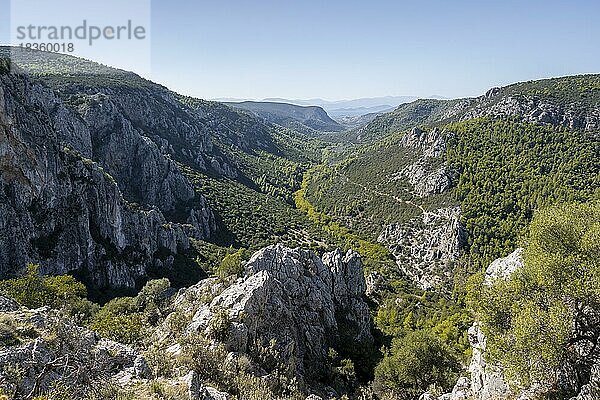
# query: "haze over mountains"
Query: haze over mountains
343,108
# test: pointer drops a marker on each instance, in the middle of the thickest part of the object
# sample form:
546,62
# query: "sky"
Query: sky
335,49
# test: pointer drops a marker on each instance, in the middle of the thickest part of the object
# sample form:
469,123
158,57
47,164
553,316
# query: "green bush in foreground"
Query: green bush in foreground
33,290
536,320
128,319
413,364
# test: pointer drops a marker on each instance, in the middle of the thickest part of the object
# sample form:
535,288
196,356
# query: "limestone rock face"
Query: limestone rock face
52,349
534,109
64,211
425,246
429,174
291,296
503,268
487,381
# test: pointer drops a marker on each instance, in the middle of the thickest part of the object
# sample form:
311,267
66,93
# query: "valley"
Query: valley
264,250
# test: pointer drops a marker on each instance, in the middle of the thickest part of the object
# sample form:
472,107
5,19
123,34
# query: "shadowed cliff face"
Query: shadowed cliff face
59,207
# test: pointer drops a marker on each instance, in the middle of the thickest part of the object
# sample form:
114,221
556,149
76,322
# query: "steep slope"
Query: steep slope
570,102
270,334
66,212
307,119
176,159
470,180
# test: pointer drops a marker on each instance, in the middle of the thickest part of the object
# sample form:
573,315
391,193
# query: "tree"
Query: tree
547,313
33,290
414,363
231,265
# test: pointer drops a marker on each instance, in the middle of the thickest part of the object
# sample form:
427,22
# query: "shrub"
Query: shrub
231,265
33,290
413,363
128,319
538,319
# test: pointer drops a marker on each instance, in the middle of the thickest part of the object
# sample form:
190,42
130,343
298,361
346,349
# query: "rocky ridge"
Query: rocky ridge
302,303
425,246
66,212
41,347
288,300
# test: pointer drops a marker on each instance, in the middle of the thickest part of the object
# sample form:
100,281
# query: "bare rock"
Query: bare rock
503,268
296,300
425,246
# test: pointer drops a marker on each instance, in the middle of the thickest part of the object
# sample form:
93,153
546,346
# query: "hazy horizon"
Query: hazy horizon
349,50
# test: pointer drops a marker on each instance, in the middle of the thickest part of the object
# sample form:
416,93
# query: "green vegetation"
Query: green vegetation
364,191
349,239
415,363
540,317
231,265
581,90
60,292
250,219
422,112
128,319
509,169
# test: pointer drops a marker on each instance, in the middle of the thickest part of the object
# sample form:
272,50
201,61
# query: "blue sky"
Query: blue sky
348,49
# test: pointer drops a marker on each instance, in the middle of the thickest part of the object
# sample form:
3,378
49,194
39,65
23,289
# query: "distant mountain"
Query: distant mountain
306,119
391,101
570,102
342,108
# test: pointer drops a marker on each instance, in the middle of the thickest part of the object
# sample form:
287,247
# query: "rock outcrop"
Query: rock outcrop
64,211
536,109
503,268
429,174
487,381
425,247
41,348
290,297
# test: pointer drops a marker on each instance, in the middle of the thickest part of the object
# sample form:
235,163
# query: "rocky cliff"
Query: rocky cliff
281,316
302,303
571,102
64,210
425,246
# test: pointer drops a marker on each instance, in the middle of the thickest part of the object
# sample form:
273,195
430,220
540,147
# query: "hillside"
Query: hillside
570,102
300,259
306,119
164,152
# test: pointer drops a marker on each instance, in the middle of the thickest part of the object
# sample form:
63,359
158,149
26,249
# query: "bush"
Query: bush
127,319
538,319
60,292
231,265
413,364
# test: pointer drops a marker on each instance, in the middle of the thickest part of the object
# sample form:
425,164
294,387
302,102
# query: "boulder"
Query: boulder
292,298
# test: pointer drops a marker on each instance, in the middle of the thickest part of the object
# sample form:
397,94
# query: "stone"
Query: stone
296,300
8,305
68,186
56,347
192,382
425,247
503,268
